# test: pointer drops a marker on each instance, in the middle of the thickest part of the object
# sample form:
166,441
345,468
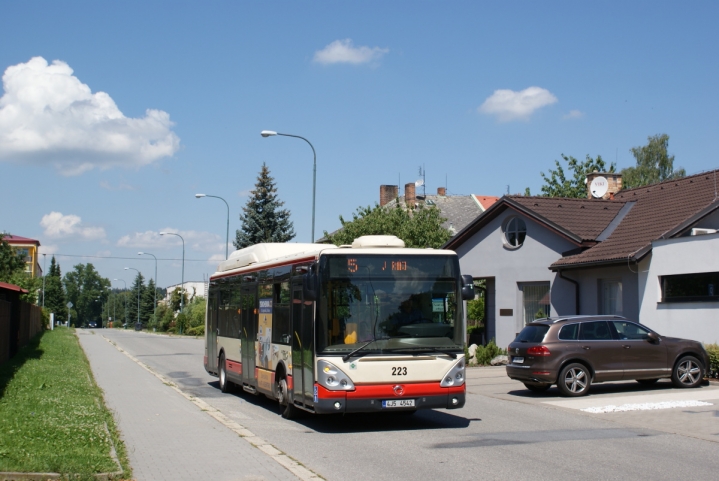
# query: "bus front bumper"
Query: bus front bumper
366,399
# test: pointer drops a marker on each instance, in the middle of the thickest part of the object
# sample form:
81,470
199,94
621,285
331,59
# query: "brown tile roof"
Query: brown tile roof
16,239
585,218
661,210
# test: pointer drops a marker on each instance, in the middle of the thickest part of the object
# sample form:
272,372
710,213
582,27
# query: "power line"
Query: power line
132,258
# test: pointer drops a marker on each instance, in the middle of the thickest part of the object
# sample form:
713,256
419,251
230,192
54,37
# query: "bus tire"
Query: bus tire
225,385
287,409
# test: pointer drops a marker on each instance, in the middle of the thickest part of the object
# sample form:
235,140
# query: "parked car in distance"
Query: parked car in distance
574,352
92,324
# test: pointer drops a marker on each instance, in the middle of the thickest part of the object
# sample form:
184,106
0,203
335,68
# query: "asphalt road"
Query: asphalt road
501,433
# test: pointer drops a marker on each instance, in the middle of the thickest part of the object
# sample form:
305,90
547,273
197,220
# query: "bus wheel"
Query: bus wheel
225,385
287,409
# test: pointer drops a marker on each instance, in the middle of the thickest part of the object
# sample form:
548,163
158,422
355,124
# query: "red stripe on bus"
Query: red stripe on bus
387,391
234,366
268,266
324,393
290,383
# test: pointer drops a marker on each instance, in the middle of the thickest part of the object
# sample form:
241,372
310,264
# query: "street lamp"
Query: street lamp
138,294
271,133
125,297
227,235
154,301
182,286
44,275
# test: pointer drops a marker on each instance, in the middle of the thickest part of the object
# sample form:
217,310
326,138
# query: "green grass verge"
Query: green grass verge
52,414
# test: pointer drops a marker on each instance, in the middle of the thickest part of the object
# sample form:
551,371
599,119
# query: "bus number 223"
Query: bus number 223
399,371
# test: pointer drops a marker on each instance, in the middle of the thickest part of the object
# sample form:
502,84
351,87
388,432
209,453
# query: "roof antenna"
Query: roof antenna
715,184
507,189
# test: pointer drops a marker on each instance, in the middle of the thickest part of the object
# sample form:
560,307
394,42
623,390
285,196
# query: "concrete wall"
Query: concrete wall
485,255
684,255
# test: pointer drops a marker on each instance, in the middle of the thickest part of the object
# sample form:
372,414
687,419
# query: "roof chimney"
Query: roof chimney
603,189
387,193
441,191
409,196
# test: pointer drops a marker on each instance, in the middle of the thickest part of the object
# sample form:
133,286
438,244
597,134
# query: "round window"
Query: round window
515,230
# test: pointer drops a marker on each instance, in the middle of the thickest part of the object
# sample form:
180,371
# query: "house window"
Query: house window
515,230
610,297
535,301
700,287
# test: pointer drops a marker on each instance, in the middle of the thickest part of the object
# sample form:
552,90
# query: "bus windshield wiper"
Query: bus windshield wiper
347,357
422,349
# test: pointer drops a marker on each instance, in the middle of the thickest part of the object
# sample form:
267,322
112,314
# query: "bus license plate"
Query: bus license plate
517,360
398,403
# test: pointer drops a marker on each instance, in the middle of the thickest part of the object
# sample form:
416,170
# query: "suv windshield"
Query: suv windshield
399,301
532,333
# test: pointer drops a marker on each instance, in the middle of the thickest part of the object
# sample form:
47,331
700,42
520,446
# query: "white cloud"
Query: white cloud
573,114
48,249
343,51
59,226
47,116
509,105
215,259
196,240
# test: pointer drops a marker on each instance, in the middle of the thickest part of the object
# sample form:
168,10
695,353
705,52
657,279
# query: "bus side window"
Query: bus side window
281,313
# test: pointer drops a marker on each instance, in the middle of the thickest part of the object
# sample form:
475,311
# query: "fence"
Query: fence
19,322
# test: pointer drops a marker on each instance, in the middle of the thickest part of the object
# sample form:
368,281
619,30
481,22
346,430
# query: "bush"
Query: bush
713,350
485,354
196,331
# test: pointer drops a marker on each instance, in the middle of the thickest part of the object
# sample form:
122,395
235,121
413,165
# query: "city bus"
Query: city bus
367,327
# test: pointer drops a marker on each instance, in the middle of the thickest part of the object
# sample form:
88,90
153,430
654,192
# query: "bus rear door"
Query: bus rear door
302,348
248,334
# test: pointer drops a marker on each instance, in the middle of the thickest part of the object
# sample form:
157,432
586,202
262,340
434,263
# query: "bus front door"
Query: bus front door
302,348
248,334
211,332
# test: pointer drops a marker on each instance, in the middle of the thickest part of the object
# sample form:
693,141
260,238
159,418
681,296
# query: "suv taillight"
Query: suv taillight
538,351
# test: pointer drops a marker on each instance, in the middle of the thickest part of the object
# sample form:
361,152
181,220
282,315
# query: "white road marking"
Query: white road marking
644,406
706,393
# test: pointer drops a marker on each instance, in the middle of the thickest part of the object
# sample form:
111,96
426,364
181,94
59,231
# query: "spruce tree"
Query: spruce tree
137,286
263,219
147,303
55,300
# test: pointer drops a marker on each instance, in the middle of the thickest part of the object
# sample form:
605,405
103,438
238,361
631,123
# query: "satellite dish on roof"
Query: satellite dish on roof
598,187
419,183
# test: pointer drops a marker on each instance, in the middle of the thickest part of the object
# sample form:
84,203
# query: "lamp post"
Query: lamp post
154,299
227,235
44,275
138,295
123,281
182,286
270,133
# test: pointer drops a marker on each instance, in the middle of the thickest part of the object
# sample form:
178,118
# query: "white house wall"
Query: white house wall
485,255
589,288
684,255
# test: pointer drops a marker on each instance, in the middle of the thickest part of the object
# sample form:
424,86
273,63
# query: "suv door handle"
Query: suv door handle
586,348
626,347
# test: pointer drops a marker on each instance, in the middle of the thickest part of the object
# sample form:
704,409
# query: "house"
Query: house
459,210
649,254
28,249
192,289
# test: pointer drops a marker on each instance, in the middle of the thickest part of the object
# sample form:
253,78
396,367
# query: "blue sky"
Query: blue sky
114,114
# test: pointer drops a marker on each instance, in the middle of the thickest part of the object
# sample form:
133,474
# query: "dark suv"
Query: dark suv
573,352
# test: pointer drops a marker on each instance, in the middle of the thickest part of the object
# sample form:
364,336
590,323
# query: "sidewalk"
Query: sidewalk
167,436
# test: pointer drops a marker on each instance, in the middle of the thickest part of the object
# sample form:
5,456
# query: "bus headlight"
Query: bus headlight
455,376
332,378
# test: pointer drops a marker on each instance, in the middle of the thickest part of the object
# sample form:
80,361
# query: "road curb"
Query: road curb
266,448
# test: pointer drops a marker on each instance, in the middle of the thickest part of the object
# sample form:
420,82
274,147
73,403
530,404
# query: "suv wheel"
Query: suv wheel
687,372
574,380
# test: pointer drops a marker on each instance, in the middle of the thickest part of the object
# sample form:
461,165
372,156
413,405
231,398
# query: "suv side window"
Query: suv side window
630,331
595,331
568,332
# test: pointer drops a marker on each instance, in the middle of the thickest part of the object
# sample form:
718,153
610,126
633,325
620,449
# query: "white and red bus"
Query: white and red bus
369,327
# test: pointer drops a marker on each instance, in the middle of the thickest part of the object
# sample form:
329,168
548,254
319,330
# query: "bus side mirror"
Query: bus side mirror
309,286
467,288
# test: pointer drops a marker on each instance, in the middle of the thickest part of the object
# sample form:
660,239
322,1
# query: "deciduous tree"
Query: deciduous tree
87,290
654,164
10,260
417,228
557,184
263,219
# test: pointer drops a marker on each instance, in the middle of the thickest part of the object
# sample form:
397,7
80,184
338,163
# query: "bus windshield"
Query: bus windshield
402,303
